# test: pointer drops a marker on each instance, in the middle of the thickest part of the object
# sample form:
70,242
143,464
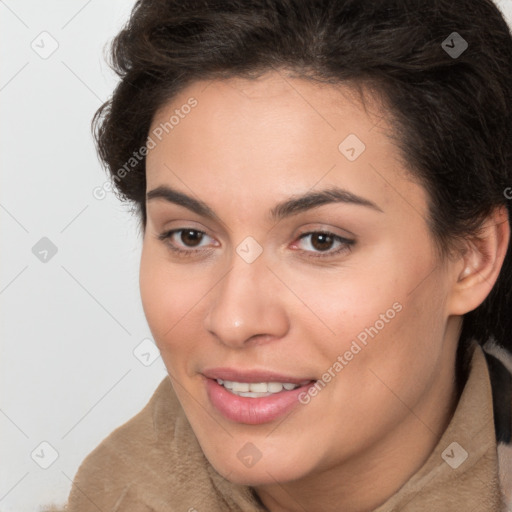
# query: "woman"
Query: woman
324,194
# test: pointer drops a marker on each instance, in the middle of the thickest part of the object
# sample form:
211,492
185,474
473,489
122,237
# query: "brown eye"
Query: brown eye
186,241
191,237
324,244
322,241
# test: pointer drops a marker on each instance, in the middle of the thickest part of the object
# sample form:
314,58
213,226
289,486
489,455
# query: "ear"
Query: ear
476,270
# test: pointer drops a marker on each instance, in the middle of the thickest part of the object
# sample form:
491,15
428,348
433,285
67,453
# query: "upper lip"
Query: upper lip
237,375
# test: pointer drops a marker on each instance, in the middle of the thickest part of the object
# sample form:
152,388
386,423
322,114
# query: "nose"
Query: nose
246,307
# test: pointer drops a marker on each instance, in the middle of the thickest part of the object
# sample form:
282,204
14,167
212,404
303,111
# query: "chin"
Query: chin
260,473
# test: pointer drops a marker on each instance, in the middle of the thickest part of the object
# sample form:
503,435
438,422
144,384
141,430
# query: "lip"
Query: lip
252,411
252,376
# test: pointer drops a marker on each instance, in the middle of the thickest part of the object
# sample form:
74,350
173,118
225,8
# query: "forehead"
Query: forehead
277,93
269,119
276,133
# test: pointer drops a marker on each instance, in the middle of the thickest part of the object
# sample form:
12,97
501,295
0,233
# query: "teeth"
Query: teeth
241,386
275,387
256,389
259,387
253,395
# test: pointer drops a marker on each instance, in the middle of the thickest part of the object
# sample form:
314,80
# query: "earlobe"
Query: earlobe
481,263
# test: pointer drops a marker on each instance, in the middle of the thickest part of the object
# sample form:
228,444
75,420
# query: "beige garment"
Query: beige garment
153,463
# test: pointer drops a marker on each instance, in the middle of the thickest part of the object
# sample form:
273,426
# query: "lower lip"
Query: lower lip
253,411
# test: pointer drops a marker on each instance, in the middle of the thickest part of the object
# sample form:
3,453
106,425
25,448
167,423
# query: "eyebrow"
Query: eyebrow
292,206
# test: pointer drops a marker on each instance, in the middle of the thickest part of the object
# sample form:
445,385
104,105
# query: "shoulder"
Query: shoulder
126,458
499,362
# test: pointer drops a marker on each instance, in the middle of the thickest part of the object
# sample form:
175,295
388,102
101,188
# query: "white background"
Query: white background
70,325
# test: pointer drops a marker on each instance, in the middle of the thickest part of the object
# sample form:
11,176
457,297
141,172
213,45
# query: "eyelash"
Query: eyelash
345,243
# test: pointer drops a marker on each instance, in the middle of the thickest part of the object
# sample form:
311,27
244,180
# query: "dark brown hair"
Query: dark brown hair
452,113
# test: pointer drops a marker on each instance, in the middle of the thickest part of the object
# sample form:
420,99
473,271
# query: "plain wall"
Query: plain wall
72,322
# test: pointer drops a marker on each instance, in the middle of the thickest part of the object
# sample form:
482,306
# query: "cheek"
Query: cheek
359,302
170,297
398,347
382,317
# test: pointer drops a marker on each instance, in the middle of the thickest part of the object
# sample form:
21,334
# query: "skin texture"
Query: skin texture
246,146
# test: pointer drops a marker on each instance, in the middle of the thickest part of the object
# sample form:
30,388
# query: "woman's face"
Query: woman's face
297,253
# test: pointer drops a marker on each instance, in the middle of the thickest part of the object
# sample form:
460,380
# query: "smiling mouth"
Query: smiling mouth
256,402
253,396
258,389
